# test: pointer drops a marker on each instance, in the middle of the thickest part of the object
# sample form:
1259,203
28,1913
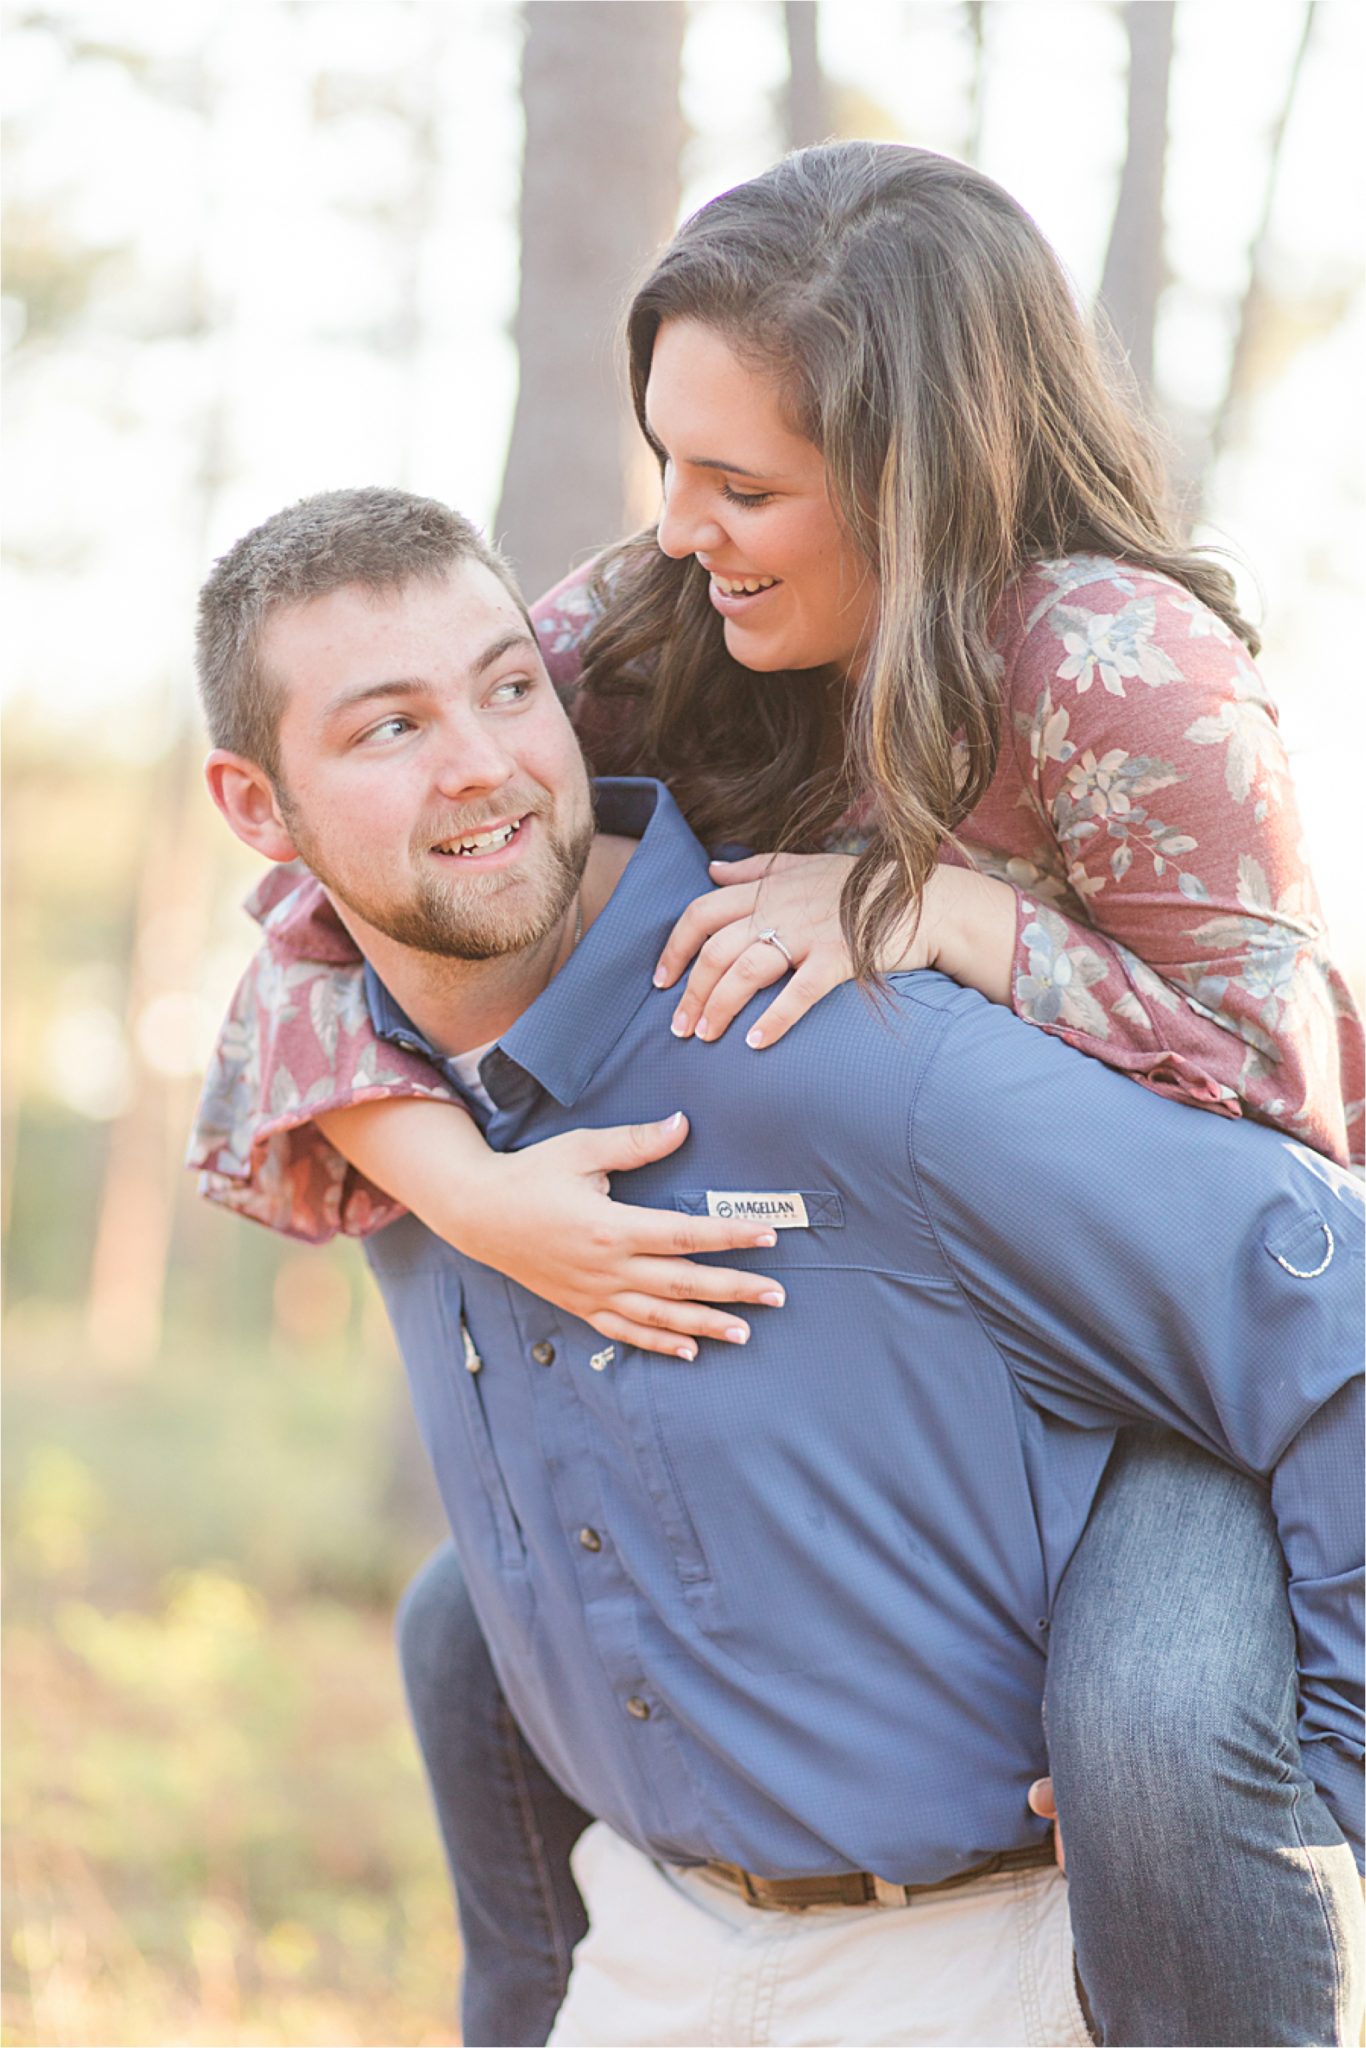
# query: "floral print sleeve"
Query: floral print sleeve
1143,809
298,1039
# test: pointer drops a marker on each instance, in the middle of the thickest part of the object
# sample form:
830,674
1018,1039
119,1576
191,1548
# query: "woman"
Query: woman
912,587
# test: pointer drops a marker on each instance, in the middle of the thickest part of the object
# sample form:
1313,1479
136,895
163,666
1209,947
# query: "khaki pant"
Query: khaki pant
671,1957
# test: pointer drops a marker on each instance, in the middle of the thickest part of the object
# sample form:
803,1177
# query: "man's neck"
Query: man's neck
459,1005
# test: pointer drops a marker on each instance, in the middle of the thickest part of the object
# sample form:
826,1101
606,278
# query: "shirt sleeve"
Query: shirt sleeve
563,619
1199,961
297,1041
1131,1261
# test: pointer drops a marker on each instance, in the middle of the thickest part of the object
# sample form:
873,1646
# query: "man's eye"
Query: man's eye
512,691
388,728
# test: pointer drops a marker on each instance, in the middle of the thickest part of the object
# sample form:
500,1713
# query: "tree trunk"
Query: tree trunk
1252,311
600,191
977,37
806,108
1134,264
143,1173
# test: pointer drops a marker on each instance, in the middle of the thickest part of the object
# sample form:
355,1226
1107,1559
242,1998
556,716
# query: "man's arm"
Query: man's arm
1134,1257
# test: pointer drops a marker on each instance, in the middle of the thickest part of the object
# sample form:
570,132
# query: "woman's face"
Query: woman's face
747,496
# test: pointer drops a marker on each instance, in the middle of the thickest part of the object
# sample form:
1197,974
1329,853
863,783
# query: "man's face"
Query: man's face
428,773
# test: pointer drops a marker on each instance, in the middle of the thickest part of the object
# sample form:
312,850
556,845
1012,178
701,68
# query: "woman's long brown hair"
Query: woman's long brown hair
926,340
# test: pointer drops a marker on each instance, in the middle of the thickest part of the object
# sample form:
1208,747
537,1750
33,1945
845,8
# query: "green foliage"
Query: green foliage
215,1826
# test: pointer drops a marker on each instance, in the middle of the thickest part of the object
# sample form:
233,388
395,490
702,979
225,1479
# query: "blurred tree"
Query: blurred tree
976,13
1134,263
806,102
143,1173
1257,298
143,1169
600,190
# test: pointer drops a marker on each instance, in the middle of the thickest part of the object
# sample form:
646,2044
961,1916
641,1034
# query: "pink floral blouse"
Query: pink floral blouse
1141,809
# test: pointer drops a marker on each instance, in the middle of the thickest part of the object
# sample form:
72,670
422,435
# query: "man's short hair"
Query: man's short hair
378,538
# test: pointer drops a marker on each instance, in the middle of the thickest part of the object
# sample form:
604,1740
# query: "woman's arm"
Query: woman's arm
965,928
1141,887
1143,738
544,1217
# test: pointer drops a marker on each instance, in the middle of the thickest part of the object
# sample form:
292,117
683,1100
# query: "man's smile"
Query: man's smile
483,846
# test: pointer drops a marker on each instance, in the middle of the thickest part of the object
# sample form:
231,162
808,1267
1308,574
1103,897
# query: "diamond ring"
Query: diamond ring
770,938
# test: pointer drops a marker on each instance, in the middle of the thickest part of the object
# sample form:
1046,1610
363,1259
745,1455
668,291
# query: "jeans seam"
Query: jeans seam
1295,1779
534,1840
1317,1883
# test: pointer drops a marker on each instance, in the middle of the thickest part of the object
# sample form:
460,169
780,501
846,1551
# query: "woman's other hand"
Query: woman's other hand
966,929
795,894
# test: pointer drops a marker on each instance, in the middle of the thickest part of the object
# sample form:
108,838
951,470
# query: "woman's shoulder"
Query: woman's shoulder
1094,620
563,619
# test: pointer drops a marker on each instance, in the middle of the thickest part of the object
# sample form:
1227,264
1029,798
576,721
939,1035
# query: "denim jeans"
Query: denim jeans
1213,1899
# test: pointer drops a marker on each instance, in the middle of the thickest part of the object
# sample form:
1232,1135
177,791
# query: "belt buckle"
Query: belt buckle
886,1893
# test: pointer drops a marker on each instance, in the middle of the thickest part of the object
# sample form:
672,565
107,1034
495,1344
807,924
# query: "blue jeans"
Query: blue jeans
1212,1898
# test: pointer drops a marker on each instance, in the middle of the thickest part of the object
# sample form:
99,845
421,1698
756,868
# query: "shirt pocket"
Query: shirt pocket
424,1295
657,1469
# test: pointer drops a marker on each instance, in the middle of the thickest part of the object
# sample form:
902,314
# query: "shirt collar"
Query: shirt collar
564,1037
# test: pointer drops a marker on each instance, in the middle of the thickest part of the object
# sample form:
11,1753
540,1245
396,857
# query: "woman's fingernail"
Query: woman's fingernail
754,1038
702,1029
736,1333
672,1123
774,1300
679,1025
767,1238
661,978
688,1351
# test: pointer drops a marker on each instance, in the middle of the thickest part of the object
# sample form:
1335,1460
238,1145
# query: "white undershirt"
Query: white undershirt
466,1065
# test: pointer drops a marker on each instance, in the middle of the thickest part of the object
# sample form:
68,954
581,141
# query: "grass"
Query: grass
215,1828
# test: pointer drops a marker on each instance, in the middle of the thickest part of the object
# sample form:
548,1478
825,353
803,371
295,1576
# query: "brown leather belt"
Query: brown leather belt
858,1887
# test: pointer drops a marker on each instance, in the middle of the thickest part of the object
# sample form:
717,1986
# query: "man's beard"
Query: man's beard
439,919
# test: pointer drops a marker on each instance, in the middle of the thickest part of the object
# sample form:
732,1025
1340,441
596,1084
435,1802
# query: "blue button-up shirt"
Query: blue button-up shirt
788,1606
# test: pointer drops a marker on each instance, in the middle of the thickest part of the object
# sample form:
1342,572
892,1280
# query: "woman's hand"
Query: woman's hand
966,929
1042,1802
544,1217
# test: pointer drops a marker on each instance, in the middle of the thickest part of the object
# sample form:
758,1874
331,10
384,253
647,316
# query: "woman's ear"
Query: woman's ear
245,794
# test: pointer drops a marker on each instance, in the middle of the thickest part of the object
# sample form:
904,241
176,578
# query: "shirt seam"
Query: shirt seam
954,1275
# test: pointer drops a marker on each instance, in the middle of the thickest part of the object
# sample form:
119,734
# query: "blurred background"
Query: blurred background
257,250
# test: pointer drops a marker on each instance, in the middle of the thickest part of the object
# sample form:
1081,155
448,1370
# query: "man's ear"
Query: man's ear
245,795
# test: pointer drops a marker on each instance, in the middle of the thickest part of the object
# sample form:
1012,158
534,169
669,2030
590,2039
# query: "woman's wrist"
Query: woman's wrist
440,1166
970,921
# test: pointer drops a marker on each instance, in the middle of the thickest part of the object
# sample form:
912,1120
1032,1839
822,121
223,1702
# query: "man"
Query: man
778,1622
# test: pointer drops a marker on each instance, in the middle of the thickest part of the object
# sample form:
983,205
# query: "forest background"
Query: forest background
258,250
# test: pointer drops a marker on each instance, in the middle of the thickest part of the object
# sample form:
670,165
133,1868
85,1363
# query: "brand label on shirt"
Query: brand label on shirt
777,1212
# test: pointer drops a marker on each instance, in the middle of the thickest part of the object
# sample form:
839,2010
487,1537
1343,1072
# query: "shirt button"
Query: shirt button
590,1539
637,1708
543,1353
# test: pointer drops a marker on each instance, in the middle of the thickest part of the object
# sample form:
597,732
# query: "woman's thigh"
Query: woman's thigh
1213,1896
